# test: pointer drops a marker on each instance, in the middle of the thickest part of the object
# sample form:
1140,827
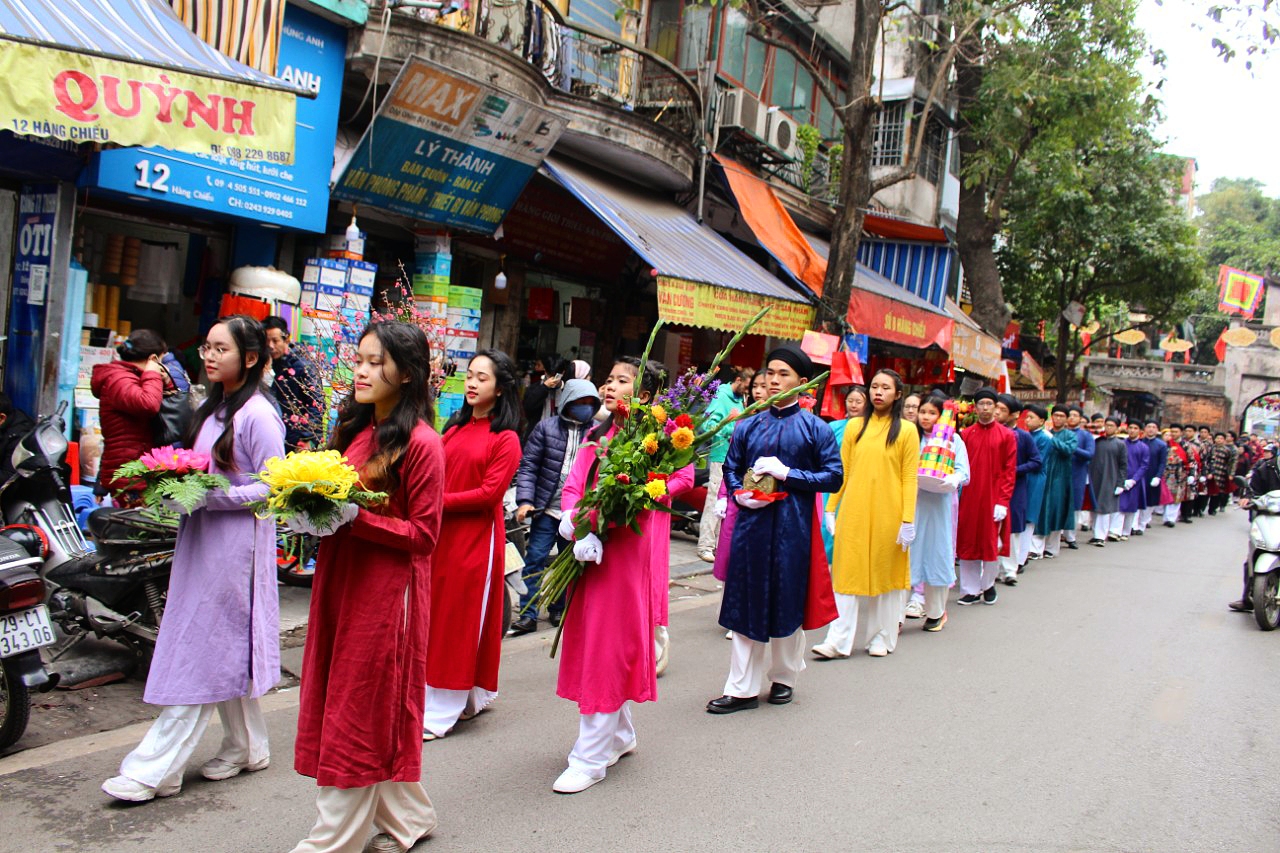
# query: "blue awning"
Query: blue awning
666,235
921,268
145,32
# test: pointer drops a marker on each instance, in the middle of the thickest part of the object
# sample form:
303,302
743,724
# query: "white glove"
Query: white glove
772,466
1128,484
829,521
722,508
588,549
949,483
566,526
1155,481
1119,490
1001,513
173,506
906,534
303,523
1203,479
750,502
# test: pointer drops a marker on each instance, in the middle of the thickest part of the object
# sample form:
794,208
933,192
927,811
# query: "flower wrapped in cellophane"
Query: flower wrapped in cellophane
313,489
652,442
174,478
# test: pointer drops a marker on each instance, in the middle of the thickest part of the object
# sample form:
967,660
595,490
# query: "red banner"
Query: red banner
896,322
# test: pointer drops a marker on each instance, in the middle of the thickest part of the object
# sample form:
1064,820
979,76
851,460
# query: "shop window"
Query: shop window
891,127
783,82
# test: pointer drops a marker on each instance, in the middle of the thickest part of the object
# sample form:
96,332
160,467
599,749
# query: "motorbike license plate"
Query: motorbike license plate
25,630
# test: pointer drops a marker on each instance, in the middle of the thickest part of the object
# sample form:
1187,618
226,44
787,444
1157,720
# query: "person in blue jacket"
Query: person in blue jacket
1085,444
1028,460
549,453
1153,477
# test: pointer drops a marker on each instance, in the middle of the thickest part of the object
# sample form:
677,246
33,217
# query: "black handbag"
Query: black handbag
174,419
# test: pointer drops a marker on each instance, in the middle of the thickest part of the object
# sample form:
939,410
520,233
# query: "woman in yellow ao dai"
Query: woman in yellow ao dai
874,515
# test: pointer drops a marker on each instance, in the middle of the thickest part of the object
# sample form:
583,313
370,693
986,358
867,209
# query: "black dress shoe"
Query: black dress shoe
779,694
554,619
1071,545
729,704
1241,606
523,625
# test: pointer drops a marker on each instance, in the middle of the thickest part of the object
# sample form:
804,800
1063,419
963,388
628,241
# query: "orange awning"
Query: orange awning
900,229
773,226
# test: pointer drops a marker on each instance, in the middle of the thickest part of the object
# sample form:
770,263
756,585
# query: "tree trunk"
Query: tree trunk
1061,368
855,174
975,230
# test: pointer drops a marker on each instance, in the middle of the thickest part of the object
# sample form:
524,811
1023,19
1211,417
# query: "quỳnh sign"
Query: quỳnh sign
81,98
449,150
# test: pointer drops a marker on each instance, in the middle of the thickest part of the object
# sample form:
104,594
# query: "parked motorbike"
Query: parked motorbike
513,562
295,556
117,591
1264,555
25,628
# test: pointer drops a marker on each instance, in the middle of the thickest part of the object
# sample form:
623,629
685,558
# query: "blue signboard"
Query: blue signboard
312,55
449,150
24,351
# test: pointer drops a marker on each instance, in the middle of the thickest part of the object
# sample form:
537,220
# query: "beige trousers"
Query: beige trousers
349,815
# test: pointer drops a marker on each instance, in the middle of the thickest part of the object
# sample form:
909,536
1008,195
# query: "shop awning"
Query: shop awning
129,72
891,228
703,280
883,310
972,349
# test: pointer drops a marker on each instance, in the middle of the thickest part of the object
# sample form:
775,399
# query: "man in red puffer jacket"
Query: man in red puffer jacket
130,391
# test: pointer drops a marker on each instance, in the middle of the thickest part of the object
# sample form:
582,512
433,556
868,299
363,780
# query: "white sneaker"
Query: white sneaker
573,781
728,635
827,651
217,769
131,791
626,750
915,609
877,649
707,556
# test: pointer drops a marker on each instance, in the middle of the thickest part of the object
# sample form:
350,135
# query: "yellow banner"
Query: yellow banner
49,92
692,303
975,351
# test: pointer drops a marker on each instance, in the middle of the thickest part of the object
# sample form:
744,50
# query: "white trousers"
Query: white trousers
1117,520
709,522
445,707
1019,550
1144,517
1101,525
1086,519
1171,512
1126,524
935,600
1069,535
349,815
600,738
864,618
1050,543
167,746
746,663
976,576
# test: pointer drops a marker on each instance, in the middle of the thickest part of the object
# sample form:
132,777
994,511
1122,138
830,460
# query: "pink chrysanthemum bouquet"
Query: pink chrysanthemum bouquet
173,473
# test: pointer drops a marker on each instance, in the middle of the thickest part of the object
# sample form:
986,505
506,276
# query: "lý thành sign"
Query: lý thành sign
447,149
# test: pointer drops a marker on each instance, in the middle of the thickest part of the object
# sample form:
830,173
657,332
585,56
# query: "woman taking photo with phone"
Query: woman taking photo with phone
481,452
219,642
360,721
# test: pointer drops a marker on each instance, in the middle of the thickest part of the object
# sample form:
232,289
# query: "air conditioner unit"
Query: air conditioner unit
741,110
781,136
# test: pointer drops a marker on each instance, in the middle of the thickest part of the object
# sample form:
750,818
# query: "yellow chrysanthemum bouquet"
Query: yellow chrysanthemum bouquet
315,487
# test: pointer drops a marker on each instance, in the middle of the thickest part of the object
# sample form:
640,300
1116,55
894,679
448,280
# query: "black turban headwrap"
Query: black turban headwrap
986,392
795,358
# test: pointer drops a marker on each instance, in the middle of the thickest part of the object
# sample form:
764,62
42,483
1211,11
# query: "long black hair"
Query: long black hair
507,413
650,373
407,346
895,412
936,399
249,339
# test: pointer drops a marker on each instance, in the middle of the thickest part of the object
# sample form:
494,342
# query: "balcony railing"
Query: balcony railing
592,64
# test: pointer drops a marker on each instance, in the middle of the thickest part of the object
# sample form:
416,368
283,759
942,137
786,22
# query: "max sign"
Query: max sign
448,149
81,98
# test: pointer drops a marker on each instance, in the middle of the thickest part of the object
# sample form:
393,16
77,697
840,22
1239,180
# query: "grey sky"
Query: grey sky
1217,112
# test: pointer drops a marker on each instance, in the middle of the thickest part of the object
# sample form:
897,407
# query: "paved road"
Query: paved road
1109,702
